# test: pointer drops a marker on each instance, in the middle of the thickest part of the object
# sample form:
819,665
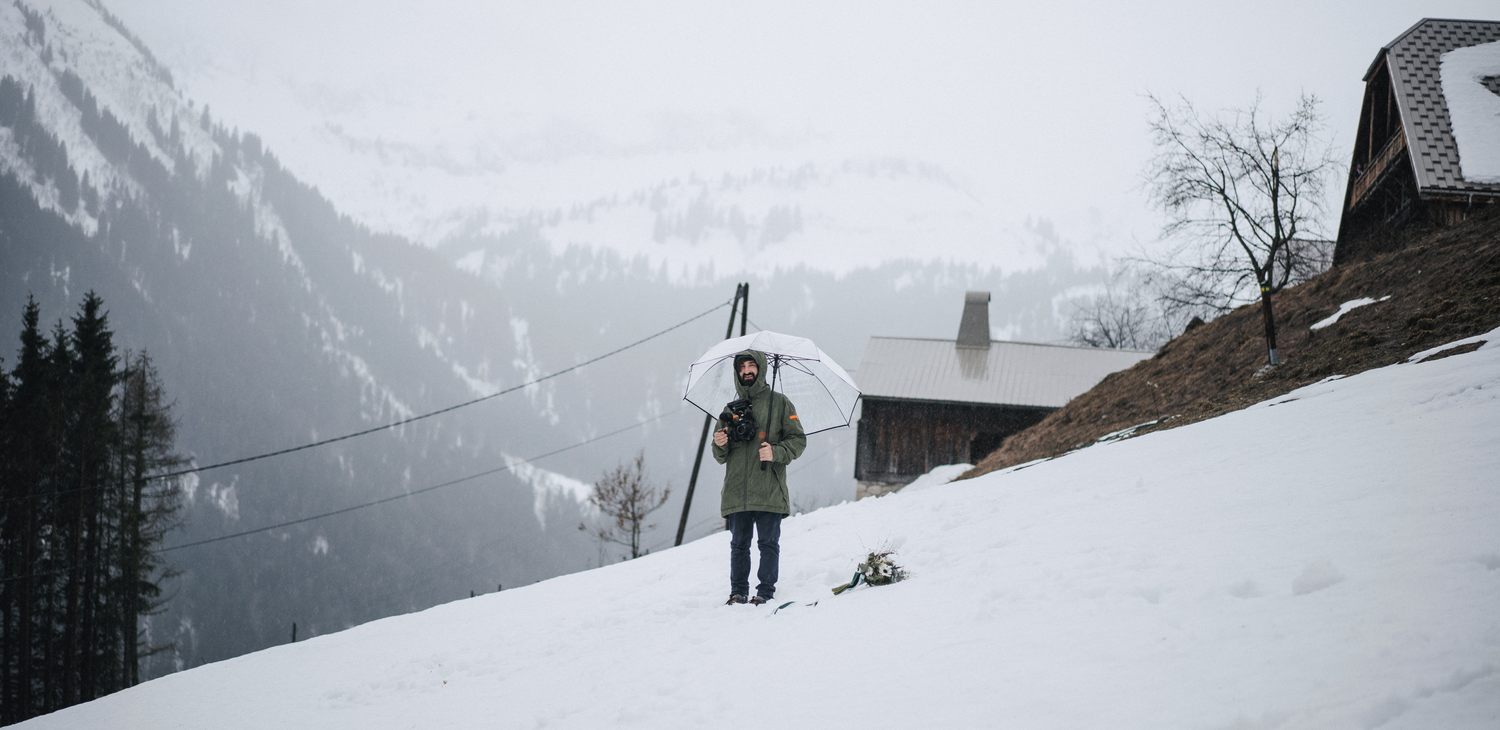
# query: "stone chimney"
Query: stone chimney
974,327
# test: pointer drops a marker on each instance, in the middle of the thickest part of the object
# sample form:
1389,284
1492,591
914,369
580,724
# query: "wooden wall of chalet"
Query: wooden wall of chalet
900,440
1395,215
1383,205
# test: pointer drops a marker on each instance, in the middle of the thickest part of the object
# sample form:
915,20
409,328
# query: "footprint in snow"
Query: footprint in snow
1315,577
1245,589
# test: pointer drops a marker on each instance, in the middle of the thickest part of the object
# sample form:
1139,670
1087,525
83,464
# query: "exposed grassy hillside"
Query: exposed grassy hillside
1444,286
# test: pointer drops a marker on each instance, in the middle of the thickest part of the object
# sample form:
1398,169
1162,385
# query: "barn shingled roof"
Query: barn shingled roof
1006,373
1415,59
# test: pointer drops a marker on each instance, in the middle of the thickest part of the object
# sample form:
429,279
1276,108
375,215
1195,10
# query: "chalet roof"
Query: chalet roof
1006,373
1414,59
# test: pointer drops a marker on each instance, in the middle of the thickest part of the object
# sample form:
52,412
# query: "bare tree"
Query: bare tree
1123,316
1243,196
625,498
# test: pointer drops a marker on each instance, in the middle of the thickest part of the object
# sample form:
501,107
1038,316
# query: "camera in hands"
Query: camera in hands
738,421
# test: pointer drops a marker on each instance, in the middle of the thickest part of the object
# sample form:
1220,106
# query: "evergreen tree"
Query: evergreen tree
88,442
81,516
29,438
148,507
12,519
57,500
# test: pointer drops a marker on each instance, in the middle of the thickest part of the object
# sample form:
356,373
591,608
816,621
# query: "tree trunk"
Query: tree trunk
25,704
1269,315
88,669
72,644
131,564
9,567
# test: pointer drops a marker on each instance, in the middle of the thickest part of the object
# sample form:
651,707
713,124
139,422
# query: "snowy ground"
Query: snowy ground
1328,559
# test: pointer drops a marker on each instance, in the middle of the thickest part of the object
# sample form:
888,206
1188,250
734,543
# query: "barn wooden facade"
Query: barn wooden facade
932,402
1408,167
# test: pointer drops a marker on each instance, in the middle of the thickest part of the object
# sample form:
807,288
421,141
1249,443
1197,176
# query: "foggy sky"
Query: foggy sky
1038,111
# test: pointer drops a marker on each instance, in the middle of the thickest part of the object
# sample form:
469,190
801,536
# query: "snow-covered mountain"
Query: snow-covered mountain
1324,559
276,319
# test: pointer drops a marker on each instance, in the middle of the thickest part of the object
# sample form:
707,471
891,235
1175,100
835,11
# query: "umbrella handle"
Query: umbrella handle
775,375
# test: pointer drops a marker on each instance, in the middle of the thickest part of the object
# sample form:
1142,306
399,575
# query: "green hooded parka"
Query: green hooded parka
746,486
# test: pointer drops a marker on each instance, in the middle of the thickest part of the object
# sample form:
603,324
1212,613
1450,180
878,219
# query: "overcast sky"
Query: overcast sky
1036,109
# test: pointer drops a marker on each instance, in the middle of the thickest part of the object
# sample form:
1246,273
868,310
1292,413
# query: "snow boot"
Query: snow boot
735,598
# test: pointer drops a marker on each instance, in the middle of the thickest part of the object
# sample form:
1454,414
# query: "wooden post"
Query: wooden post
741,295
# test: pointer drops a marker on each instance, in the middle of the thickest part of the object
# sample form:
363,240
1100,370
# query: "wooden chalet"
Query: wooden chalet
931,402
1408,165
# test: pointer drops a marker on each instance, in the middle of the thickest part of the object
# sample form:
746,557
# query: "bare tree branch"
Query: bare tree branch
1239,192
1123,316
626,498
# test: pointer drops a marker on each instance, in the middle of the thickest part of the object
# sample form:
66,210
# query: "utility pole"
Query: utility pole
741,306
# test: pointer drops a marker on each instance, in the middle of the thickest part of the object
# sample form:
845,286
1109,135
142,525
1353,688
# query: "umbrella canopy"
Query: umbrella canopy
823,394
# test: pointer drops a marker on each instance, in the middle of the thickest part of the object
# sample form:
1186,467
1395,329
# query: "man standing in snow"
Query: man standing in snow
755,495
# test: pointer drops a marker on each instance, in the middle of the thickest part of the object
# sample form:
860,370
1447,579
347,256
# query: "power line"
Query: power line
364,505
509,467
440,411
345,437
432,488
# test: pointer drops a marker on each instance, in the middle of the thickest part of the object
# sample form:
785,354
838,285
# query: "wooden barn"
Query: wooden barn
1422,158
931,402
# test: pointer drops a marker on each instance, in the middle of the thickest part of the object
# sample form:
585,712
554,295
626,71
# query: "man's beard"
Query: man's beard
747,379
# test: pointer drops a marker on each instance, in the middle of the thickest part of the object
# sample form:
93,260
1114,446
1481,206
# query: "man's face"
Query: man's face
748,372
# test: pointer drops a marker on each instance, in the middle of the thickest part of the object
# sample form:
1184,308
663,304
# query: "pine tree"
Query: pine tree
12,519
53,503
148,507
81,516
90,437
30,437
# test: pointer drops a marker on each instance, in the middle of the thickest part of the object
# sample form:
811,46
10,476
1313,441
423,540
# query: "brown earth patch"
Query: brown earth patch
1443,287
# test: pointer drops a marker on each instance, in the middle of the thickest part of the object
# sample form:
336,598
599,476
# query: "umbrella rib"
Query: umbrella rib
800,364
835,400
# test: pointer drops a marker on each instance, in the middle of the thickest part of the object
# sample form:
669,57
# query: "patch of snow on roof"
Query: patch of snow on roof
1474,109
1344,309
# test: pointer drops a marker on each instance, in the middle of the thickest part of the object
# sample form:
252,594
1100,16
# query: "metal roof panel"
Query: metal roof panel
1414,60
1008,373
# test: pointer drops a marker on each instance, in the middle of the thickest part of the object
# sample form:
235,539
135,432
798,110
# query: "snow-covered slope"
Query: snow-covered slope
1326,559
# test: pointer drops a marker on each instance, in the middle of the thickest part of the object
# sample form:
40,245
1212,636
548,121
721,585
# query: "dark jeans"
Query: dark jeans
767,527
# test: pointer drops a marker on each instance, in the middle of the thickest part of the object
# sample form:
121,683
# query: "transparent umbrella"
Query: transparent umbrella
823,394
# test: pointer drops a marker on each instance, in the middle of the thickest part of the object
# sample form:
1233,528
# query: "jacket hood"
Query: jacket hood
760,383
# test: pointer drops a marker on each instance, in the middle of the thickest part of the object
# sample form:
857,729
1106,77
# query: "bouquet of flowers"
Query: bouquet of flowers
878,569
